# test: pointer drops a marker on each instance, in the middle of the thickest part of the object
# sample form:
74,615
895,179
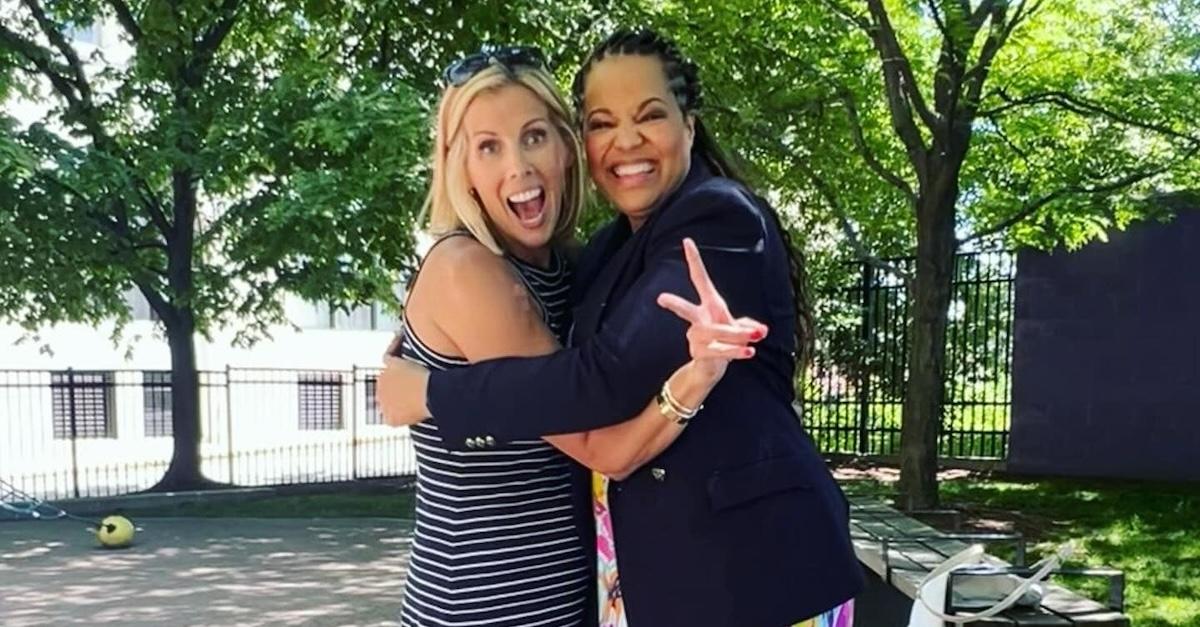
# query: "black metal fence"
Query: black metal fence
855,392
74,433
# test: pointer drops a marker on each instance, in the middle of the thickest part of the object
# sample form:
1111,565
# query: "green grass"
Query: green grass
397,504
1151,531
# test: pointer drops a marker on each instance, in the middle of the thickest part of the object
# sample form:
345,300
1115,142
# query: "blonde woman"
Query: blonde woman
504,534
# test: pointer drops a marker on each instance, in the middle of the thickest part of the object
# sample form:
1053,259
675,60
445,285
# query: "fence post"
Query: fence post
867,336
74,431
354,422
229,419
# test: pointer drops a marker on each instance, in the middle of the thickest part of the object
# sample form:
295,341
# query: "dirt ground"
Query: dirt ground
218,571
957,516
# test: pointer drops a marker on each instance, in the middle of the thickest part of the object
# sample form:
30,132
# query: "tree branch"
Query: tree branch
898,88
951,64
1083,107
157,216
1032,207
980,14
120,228
1021,152
74,88
998,35
939,20
898,104
886,41
852,235
826,192
248,206
126,18
869,156
156,300
976,77
43,60
857,20
214,36
53,33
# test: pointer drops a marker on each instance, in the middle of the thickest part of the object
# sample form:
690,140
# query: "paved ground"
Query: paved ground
220,571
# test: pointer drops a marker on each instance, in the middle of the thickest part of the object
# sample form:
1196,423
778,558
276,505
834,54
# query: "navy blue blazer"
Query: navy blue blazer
737,524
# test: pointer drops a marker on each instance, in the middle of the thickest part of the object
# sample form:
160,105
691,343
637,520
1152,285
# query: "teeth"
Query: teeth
525,196
633,168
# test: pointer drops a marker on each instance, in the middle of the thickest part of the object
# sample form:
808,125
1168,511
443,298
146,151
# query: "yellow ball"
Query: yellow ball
115,532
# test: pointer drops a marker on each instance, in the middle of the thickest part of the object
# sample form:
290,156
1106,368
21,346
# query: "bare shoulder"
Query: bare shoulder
461,256
474,301
461,271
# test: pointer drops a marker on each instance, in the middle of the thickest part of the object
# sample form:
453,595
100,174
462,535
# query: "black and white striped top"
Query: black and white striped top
496,544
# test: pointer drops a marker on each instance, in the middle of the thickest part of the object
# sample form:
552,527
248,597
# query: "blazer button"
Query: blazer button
471,443
659,474
490,441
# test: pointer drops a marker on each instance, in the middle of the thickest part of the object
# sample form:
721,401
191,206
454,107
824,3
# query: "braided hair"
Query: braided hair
683,80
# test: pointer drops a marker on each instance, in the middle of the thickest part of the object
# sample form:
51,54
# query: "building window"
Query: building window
320,396
82,404
156,402
374,417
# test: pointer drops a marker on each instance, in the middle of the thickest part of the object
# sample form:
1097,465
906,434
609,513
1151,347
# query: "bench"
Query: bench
898,551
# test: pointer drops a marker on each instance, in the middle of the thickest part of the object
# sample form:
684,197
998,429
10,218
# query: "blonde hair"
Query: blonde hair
449,206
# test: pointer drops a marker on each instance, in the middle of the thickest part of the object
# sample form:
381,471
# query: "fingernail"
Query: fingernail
756,335
747,352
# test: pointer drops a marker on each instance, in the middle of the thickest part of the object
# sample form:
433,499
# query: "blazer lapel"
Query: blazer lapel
589,311
625,262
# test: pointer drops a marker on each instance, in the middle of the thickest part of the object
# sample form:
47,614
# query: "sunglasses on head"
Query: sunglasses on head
510,57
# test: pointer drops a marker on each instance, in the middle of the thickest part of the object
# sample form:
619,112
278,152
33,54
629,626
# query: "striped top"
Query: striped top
496,544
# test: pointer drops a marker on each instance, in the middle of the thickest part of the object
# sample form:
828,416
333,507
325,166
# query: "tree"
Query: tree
233,157
924,127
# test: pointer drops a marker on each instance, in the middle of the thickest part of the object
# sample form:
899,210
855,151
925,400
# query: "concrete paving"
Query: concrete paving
206,571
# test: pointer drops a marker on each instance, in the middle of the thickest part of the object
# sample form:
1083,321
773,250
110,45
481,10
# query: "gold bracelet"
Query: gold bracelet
690,413
669,412
672,409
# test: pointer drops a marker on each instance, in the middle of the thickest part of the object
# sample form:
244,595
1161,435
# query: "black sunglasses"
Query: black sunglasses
510,57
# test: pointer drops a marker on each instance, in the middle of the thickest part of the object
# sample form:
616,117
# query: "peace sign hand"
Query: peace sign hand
714,338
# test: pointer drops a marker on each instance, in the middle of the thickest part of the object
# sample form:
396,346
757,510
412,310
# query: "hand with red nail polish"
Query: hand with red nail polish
715,337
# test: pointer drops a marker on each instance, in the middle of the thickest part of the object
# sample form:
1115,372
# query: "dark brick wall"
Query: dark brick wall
1106,356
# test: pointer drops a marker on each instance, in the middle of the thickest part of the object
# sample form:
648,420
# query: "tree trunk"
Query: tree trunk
179,318
924,391
184,471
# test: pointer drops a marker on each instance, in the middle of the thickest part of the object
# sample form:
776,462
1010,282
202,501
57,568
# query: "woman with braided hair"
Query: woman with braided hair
739,522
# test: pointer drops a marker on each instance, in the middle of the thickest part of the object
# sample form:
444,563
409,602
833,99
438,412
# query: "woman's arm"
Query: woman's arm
472,280
709,343
617,371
